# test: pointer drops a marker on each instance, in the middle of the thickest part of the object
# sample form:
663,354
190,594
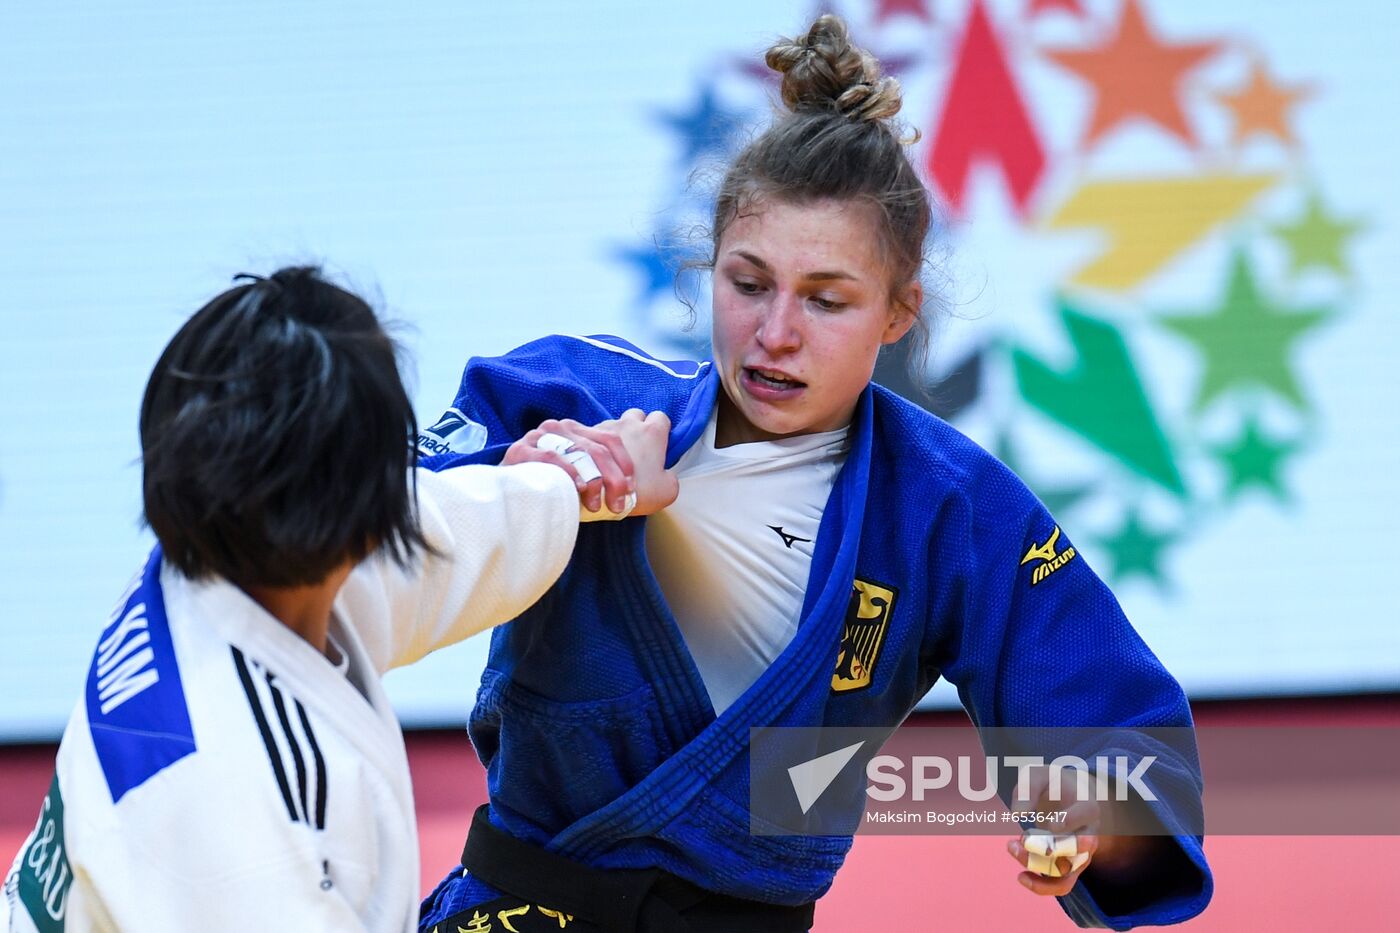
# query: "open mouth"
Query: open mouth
772,380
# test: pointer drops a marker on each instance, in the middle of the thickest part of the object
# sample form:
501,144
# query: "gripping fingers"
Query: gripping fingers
580,460
594,505
1039,842
1045,850
1052,862
604,444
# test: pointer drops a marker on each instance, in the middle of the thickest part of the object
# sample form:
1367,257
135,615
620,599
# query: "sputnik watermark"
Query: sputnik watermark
843,780
1018,817
1111,777
1329,780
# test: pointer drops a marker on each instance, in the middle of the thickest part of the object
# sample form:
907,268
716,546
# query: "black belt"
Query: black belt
617,900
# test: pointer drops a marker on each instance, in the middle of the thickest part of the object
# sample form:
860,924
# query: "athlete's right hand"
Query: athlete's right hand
646,437
628,452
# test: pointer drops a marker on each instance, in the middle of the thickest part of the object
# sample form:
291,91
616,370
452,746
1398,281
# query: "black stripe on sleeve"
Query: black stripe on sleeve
292,743
273,755
320,765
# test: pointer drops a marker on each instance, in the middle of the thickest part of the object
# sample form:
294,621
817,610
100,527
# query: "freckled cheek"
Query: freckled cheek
731,330
845,368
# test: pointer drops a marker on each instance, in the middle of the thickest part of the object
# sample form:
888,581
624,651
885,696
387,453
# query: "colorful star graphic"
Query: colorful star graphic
1135,74
1254,461
1247,340
1100,397
1263,107
1136,550
1038,7
1317,238
915,8
1147,222
657,263
707,129
984,120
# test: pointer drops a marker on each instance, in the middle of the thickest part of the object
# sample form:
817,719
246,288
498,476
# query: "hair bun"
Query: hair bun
822,70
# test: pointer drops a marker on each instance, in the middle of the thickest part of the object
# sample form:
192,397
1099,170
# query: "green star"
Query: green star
1316,239
1247,340
1137,550
1254,460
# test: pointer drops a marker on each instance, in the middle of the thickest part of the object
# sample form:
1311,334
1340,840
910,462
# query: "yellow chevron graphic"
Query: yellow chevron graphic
1044,551
1147,222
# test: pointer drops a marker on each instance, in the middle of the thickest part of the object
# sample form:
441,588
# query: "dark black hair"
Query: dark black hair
275,436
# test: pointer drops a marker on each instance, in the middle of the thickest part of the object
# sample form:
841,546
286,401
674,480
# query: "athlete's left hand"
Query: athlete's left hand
1078,832
646,437
614,473
1062,848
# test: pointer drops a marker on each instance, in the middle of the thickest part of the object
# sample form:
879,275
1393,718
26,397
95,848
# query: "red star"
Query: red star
915,8
984,119
1135,74
1044,6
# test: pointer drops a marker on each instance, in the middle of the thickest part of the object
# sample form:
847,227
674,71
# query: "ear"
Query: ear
903,313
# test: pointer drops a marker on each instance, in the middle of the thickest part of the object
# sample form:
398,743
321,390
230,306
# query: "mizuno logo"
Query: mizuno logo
787,538
1050,561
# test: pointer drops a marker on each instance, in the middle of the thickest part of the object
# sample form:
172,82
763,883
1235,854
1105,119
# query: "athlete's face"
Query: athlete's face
801,308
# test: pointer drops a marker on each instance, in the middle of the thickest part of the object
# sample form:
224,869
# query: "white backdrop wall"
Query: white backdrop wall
1222,234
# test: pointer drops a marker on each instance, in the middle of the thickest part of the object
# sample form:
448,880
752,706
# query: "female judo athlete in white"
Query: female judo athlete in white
235,764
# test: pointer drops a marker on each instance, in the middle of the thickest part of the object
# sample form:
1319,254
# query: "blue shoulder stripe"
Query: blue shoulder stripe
135,702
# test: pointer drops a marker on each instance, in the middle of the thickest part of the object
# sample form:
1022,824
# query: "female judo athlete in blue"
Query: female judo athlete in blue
834,550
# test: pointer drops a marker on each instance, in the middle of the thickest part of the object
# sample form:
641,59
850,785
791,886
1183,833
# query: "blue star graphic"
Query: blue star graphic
657,261
706,129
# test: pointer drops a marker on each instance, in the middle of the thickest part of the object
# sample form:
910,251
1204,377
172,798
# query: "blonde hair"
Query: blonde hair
838,140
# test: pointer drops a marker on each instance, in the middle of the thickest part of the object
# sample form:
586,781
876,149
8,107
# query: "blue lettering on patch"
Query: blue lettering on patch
135,702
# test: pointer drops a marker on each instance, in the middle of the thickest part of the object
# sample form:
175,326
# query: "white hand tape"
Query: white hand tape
581,461
1037,841
555,442
587,469
1042,865
1044,850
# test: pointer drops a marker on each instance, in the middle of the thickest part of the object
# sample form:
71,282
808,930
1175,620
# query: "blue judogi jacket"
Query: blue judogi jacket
594,725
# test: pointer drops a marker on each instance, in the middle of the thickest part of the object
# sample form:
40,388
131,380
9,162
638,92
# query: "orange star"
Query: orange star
1136,75
1263,106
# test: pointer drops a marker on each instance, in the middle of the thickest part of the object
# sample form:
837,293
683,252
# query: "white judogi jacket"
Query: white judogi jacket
223,774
